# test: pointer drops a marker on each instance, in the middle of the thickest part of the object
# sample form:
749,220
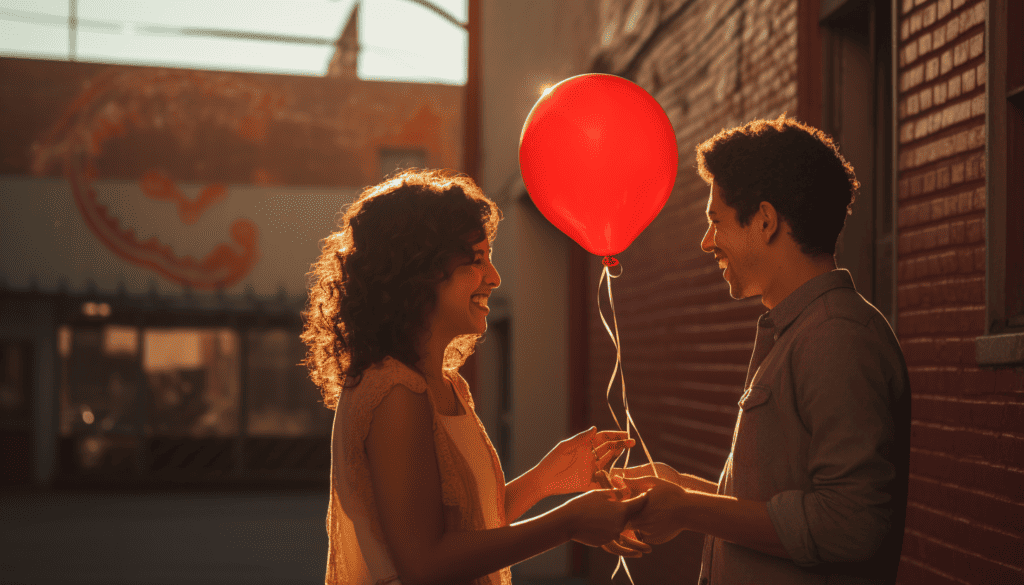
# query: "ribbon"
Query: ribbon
609,262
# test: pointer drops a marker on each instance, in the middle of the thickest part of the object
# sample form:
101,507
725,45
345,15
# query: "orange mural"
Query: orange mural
118,104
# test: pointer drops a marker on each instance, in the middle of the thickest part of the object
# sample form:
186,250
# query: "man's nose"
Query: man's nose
707,244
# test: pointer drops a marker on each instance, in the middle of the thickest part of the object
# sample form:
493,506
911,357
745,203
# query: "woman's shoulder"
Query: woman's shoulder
384,375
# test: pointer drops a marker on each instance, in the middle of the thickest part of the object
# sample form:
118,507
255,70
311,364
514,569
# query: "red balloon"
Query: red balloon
599,157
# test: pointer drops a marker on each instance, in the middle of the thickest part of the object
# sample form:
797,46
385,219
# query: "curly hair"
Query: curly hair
375,282
793,166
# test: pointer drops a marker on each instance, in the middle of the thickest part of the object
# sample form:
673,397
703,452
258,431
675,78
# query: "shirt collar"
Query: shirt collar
783,315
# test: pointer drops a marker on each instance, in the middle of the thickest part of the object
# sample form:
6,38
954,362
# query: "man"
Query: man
814,489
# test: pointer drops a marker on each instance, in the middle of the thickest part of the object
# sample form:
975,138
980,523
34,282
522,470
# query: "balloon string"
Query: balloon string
618,370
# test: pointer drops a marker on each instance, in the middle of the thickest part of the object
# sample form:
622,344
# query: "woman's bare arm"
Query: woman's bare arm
523,493
407,488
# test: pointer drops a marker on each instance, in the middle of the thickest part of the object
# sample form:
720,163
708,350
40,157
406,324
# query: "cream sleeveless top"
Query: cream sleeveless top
472,482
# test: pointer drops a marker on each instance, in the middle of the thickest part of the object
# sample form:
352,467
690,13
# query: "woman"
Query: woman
417,493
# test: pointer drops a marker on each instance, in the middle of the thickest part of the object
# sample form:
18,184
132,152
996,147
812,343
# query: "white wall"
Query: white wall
525,47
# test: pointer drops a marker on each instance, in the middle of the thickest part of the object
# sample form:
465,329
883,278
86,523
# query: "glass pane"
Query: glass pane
98,395
15,390
98,379
193,382
283,401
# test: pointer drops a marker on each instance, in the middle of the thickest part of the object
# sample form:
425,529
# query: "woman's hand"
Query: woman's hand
571,466
598,517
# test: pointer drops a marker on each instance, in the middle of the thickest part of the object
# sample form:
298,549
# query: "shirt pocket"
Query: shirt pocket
754,396
755,445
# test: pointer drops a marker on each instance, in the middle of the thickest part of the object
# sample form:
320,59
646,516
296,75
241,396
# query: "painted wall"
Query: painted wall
526,46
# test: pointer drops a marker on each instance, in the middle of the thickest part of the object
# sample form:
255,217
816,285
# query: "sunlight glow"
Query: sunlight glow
400,40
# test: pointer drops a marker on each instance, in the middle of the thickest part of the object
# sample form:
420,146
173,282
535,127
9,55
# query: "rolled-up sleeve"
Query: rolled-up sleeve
844,398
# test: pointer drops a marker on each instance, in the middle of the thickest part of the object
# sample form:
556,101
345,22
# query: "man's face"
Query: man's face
736,248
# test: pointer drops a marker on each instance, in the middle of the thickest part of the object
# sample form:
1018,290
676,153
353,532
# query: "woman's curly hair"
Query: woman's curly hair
375,282
793,166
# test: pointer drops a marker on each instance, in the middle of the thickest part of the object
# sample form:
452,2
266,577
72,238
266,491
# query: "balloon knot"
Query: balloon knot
609,262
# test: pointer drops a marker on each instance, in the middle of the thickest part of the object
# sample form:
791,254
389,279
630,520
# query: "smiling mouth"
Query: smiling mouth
480,301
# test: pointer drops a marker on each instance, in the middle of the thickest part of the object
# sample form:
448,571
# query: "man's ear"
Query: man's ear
769,220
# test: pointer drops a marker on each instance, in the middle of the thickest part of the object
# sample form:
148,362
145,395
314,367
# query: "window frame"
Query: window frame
1002,344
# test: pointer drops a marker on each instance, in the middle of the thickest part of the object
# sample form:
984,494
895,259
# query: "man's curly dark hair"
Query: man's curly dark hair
793,166
375,282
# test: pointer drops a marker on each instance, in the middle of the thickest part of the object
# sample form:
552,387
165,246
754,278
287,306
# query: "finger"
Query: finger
603,436
616,548
640,484
628,542
617,446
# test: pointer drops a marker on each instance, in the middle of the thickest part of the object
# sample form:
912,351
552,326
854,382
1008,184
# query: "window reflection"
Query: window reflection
99,390
193,382
283,401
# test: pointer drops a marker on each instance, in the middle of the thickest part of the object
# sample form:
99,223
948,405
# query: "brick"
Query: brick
979,12
931,69
908,5
957,501
939,94
928,182
909,54
906,132
915,22
960,52
957,172
921,128
975,168
912,570
954,87
943,8
958,3
978,106
977,45
938,38
980,74
904,30
942,177
913,104
924,44
952,29
928,18
946,61
912,77
958,530
975,230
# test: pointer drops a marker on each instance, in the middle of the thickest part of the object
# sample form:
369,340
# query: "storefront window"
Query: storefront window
193,382
283,401
99,391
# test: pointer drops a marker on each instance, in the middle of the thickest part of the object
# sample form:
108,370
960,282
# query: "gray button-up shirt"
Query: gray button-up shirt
822,436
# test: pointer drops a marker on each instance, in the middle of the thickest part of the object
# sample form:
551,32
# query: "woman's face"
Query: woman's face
462,298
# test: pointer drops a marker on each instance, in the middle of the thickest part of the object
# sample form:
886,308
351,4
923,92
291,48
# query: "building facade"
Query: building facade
157,228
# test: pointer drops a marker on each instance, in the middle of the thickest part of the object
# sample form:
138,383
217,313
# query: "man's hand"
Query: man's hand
660,520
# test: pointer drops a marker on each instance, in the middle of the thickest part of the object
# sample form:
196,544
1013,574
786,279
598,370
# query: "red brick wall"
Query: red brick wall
685,342
965,513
